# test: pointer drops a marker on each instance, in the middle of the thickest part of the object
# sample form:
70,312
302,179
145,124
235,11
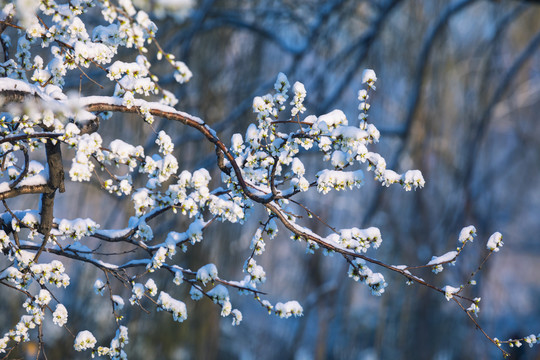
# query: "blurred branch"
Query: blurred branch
504,85
421,68
362,46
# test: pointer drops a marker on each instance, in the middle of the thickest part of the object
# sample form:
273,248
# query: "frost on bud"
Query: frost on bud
252,136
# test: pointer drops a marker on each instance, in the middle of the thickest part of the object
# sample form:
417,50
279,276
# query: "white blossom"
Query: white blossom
137,292
207,273
495,242
369,77
60,315
84,340
175,307
151,286
196,294
449,291
237,317
99,286
467,234
288,309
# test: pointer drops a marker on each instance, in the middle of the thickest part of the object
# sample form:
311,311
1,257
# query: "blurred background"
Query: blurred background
458,98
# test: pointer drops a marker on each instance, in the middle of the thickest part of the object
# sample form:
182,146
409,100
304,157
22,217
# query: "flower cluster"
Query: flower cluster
359,240
158,259
132,78
84,340
76,229
298,101
288,309
257,243
34,307
52,273
137,292
265,152
338,180
256,272
175,307
88,146
207,273
220,295
360,272
13,275
115,350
